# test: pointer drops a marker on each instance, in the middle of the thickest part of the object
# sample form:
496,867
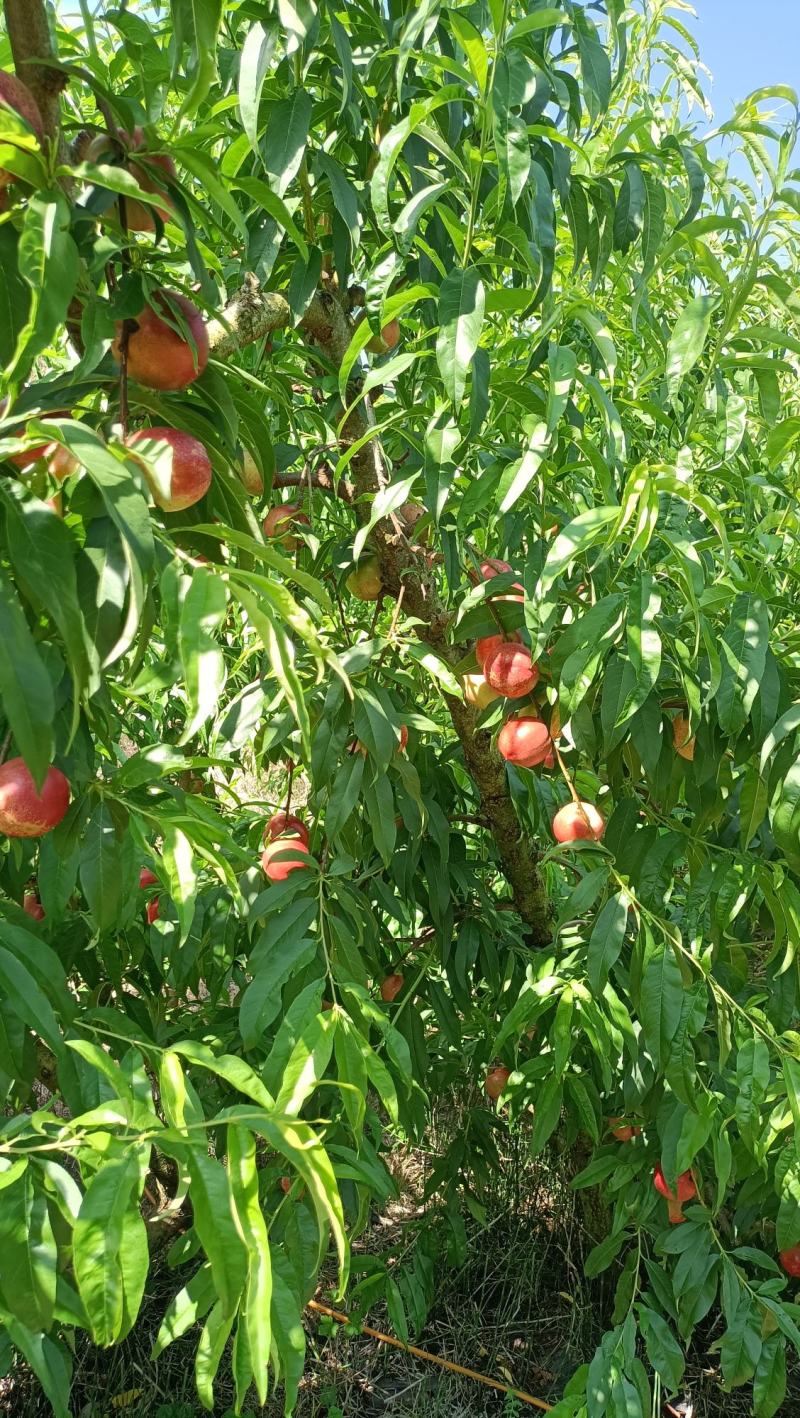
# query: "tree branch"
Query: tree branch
29,33
253,314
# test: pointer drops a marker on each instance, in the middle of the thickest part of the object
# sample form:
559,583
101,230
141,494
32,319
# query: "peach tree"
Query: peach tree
398,660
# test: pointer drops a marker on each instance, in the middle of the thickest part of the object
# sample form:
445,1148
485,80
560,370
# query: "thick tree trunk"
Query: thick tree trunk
29,33
252,315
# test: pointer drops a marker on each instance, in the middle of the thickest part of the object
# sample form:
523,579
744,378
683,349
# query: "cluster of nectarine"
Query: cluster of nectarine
507,669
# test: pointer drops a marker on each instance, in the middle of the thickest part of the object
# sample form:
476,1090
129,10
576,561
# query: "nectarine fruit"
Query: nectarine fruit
175,464
496,1080
159,354
138,216
365,581
525,741
391,987
26,811
575,821
284,855
511,671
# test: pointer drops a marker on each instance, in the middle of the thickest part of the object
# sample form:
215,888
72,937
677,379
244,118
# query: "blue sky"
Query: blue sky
746,44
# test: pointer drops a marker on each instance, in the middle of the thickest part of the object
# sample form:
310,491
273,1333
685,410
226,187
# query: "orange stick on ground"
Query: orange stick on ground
432,1358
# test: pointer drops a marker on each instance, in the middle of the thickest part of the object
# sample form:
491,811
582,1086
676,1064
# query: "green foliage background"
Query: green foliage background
599,335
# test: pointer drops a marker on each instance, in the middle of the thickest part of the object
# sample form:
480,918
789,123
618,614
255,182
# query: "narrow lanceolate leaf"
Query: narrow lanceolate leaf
256,1305
28,1255
48,261
101,867
179,862
285,141
743,651
518,475
26,695
50,1361
688,339
112,1192
257,52
462,304
769,1380
202,613
661,1000
197,25
644,642
605,942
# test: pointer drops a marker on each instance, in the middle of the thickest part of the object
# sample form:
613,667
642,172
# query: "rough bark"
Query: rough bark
31,41
254,314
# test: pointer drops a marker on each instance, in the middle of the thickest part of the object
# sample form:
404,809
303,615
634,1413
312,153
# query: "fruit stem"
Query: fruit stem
566,775
392,628
289,789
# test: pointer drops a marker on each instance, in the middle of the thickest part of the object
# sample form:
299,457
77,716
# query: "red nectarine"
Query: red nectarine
284,855
26,811
159,354
32,906
391,987
176,466
578,820
278,521
511,671
286,824
138,216
496,1080
525,741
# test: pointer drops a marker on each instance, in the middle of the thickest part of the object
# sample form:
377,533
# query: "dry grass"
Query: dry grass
518,1309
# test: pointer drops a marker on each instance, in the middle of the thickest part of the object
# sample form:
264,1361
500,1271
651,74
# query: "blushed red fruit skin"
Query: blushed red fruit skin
286,1184
147,878
686,1191
403,744
23,811
279,870
496,1080
278,521
191,467
153,909
492,566
387,340
391,987
158,356
138,217
569,824
623,1132
487,646
511,671
32,906
18,96
525,741
682,737
286,823
790,1260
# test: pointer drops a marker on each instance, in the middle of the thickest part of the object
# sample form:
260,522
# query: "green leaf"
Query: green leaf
284,143
661,999
519,474
50,1361
254,63
605,942
179,862
202,613
112,1193
594,62
663,1349
48,261
28,1255
743,652
186,1308
688,339
102,871
769,1382
25,691
197,24
462,304
257,1300
262,1000
546,1114
740,1349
